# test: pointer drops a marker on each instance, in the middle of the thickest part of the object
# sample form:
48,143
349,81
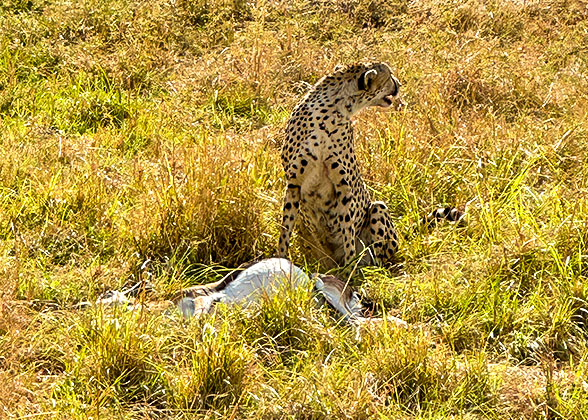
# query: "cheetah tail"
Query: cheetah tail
444,213
430,221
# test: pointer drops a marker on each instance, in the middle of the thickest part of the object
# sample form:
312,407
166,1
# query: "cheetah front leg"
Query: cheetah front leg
347,226
291,207
345,213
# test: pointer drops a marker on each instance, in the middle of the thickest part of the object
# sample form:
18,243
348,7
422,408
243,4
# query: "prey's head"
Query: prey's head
339,295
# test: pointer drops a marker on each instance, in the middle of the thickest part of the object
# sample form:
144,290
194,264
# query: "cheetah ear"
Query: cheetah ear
339,67
365,80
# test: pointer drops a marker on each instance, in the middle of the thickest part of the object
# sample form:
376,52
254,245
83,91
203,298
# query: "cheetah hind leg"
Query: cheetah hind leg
378,238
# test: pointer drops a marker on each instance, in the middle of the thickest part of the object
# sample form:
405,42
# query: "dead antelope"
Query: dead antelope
267,278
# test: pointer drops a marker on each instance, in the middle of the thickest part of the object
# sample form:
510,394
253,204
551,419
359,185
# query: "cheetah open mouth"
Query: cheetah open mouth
388,99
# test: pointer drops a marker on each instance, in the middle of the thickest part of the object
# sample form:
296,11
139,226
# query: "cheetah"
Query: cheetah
339,220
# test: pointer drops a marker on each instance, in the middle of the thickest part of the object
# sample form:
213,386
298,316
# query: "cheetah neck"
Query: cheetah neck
343,104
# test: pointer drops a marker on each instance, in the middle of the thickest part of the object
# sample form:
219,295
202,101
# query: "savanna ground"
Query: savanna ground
140,140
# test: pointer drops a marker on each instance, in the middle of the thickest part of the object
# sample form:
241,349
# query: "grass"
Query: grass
141,140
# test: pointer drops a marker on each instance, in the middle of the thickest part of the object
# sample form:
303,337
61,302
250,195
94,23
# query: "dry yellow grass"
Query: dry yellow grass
140,139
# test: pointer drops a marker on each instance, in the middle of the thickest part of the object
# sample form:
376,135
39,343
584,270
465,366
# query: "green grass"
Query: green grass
141,140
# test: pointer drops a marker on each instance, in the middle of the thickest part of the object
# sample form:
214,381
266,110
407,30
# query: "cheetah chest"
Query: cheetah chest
318,198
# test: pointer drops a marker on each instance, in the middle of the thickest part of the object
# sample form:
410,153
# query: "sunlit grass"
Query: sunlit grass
141,140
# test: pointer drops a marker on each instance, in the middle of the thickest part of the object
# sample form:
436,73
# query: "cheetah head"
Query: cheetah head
370,84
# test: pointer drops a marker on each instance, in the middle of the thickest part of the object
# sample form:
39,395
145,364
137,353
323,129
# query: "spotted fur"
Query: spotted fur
339,220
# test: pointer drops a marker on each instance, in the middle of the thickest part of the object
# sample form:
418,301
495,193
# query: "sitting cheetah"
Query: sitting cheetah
324,184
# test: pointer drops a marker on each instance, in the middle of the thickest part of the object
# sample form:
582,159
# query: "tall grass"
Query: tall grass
141,140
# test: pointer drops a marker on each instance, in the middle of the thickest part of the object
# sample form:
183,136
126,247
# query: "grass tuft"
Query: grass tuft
214,373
